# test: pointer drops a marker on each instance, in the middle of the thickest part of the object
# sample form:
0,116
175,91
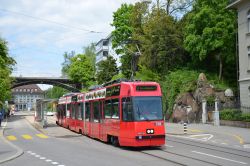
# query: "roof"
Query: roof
234,3
28,89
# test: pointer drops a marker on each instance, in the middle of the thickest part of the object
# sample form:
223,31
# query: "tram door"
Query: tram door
95,119
87,118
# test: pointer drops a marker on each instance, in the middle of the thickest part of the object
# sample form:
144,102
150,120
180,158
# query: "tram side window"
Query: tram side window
79,110
127,111
115,109
108,109
96,112
87,111
72,115
68,107
75,111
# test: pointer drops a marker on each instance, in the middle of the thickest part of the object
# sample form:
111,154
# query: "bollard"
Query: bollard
185,128
216,113
204,111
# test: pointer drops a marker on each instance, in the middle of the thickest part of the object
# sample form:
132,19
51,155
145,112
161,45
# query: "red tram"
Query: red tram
123,113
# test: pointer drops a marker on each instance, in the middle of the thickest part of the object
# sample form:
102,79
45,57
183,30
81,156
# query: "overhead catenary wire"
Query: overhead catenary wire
49,21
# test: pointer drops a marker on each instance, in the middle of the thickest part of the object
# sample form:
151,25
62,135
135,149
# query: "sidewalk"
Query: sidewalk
8,151
240,135
52,128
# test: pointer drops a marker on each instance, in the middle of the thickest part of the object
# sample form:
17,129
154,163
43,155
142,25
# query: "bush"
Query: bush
176,83
245,117
234,115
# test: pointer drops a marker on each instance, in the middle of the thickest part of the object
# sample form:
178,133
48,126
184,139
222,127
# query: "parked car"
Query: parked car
49,113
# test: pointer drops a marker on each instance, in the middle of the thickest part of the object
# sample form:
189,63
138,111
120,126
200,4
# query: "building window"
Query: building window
248,21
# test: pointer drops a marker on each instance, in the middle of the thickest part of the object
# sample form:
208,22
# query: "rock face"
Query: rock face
188,106
185,109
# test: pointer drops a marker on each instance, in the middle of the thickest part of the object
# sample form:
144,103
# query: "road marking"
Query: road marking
219,157
247,146
26,136
11,138
201,137
170,146
239,138
42,136
224,143
44,158
195,130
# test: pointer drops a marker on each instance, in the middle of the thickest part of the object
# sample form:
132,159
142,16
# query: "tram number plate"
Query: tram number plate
158,123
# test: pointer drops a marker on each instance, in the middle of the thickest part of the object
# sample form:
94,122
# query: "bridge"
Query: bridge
60,82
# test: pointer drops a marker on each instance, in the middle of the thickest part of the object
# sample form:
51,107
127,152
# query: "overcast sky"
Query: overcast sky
38,32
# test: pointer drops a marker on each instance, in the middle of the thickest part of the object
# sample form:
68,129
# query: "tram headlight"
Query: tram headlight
150,131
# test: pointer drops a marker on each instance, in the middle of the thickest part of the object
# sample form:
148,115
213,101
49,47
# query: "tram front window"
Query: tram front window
147,108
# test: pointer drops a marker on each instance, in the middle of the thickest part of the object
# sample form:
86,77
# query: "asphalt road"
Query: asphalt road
72,149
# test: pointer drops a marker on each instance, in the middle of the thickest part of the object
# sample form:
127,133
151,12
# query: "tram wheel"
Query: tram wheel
114,141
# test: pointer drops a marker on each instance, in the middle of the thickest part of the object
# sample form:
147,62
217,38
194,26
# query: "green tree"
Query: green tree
81,70
162,45
6,64
89,51
210,34
55,92
106,70
122,24
66,64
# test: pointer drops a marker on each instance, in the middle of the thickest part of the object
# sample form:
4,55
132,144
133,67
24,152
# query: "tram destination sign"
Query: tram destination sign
146,88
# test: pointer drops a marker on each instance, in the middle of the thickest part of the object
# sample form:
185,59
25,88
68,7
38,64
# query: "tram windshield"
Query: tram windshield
147,108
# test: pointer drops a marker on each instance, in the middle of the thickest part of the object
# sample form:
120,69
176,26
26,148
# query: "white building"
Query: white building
104,49
25,96
243,8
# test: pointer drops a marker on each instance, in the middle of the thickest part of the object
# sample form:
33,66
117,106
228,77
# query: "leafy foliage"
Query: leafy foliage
161,48
178,82
89,51
146,74
66,64
6,64
81,70
210,33
106,70
55,92
123,29
234,115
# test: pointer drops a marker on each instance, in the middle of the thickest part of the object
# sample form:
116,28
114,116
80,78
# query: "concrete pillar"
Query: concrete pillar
204,111
216,113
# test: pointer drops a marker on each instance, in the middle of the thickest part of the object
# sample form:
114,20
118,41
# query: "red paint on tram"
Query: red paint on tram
125,113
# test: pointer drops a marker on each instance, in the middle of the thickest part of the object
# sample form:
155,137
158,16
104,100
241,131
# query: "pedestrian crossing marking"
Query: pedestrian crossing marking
42,136
26,136
11,138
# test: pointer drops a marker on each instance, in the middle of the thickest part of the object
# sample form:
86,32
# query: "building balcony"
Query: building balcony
102,48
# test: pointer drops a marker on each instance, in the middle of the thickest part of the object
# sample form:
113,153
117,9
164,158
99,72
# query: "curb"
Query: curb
19,150
36,126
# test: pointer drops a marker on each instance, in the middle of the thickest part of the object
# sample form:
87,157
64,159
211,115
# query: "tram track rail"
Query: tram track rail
211,147
179,155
